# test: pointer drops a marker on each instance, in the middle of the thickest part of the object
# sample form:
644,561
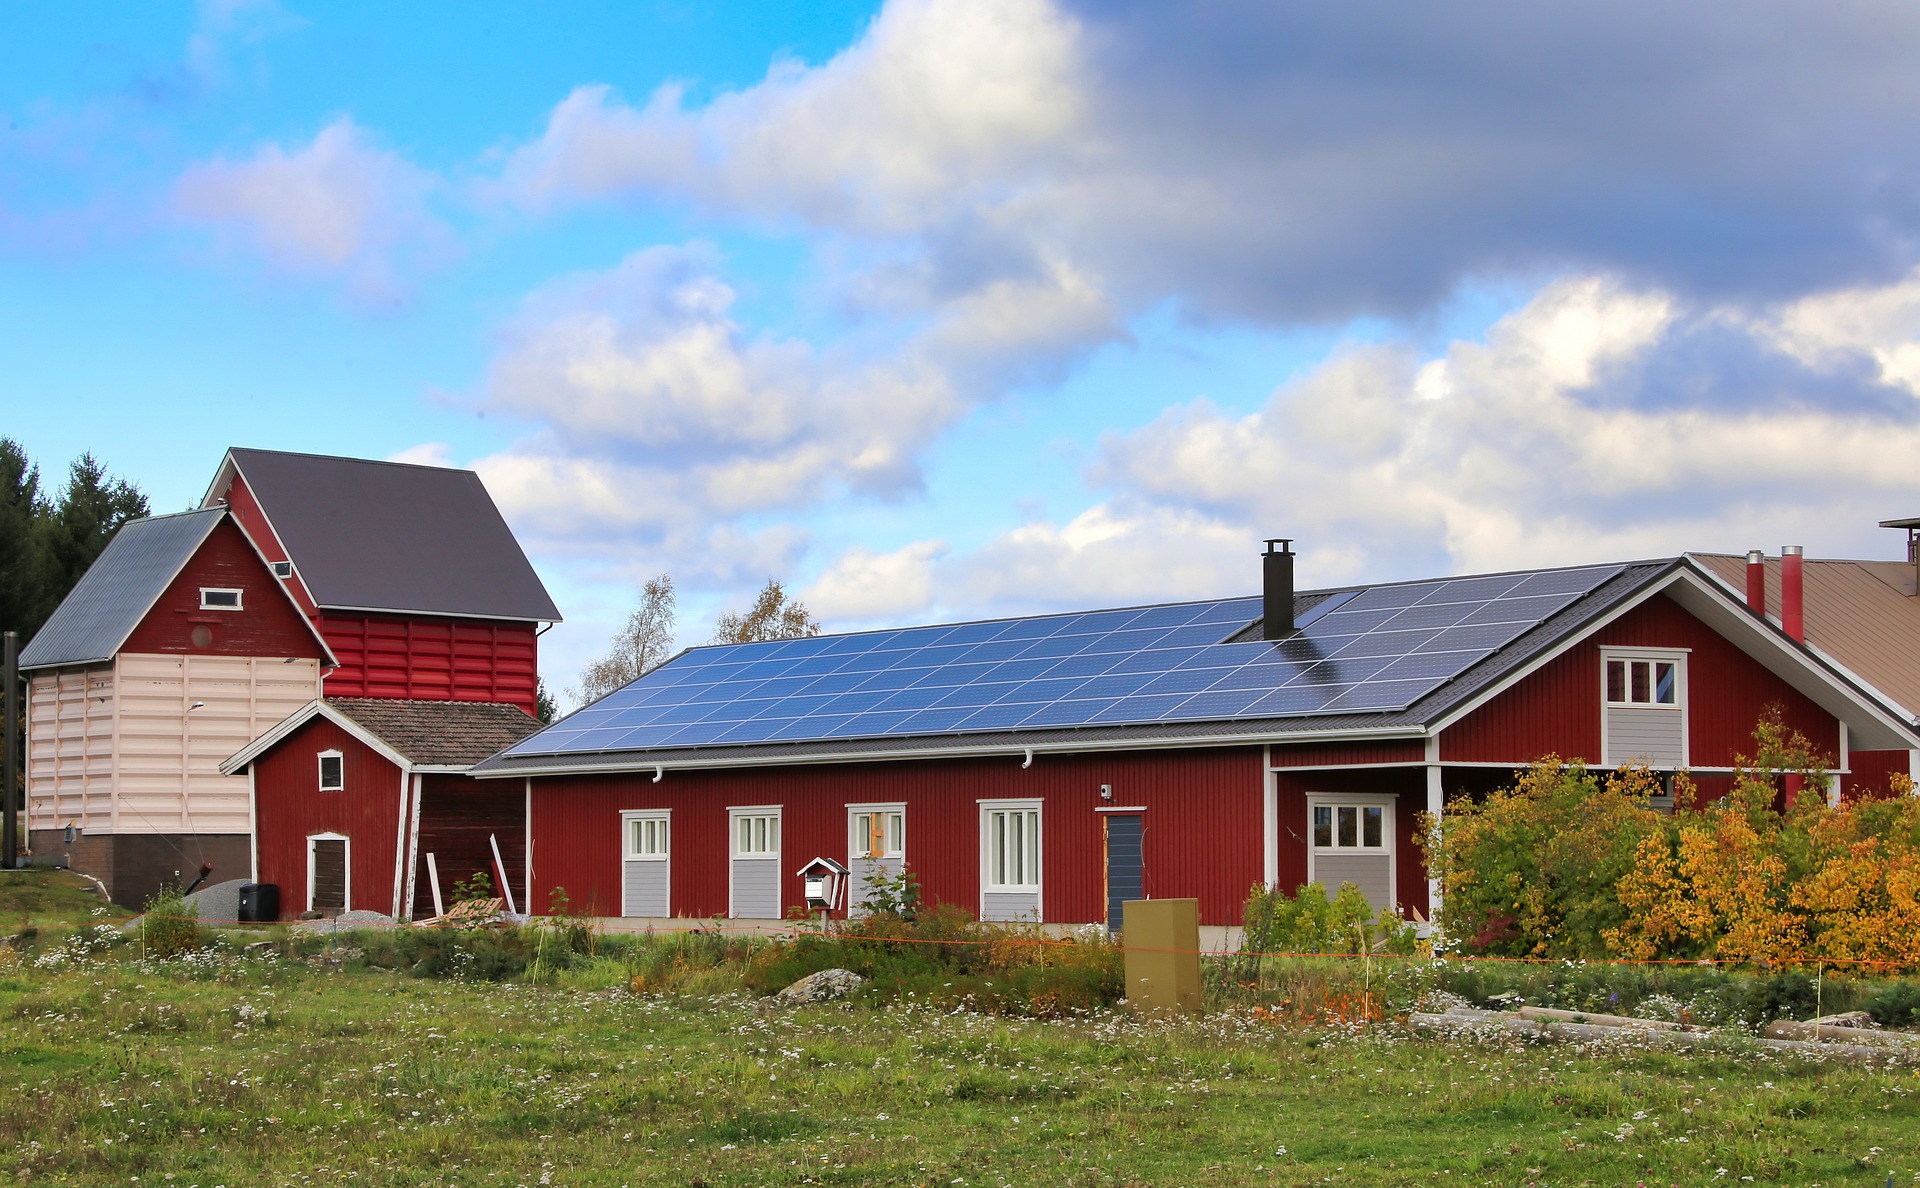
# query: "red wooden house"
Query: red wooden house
364,804
1050,767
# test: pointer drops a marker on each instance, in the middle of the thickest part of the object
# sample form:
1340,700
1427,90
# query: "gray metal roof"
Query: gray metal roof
1570,622
119,588
388,536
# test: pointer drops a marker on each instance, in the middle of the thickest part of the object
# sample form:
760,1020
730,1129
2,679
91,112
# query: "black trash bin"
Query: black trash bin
259,903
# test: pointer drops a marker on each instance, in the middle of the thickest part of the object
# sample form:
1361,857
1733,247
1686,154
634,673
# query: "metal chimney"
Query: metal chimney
1276,573
1757,582
1793,593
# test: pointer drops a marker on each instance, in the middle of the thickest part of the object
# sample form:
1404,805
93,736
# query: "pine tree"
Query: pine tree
91,510
22,570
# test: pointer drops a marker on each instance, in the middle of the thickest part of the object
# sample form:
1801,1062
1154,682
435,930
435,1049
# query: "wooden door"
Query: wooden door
329,875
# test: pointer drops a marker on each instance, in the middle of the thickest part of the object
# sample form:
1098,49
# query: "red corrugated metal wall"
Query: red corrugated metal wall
1203,826
266,625
457,816
431,659
1557,709
1408,750
1408,787
289,807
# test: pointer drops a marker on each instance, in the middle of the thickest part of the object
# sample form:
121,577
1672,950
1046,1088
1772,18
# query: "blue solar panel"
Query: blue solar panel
1375,648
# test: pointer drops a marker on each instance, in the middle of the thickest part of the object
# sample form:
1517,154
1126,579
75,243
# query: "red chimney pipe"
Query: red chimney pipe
1757,582
1793,593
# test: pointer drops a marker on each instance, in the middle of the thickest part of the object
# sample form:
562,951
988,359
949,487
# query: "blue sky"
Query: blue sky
960,307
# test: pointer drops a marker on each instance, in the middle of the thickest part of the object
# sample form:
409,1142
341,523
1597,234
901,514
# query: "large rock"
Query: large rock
824,986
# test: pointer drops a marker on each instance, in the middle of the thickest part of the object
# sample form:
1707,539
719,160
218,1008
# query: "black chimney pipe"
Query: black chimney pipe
1276,572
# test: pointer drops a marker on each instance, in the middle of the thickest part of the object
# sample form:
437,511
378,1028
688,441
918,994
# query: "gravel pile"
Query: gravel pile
345,921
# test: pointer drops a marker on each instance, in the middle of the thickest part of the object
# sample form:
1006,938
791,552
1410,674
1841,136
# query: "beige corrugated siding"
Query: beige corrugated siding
1862,613
70,747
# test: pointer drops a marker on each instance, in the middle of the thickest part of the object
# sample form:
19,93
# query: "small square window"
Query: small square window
283,569
1349,826
756,835
333,771
647,837
219,599
1643,682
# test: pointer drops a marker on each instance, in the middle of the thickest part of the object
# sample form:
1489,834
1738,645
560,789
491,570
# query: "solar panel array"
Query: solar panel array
1376,649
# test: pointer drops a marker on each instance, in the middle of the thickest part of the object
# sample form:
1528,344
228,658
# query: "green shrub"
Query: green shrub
171,926
1896,1006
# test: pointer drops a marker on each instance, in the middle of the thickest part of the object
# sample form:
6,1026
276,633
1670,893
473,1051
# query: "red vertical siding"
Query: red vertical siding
1407,786
266,625
458,815
1557,709
1406,750
1203,826
432,659
246,509
289,807
1869,773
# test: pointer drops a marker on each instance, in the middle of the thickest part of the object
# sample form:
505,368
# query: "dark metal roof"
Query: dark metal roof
119,588
440,733
1570,622
388,536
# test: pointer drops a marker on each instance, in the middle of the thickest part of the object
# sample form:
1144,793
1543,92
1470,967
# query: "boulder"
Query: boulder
823,986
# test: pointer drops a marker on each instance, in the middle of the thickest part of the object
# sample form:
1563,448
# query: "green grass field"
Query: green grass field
225,1069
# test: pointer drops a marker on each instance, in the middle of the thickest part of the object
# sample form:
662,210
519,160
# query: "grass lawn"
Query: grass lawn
236,1070
52,899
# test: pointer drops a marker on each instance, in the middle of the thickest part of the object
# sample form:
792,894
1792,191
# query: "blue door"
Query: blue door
1126,864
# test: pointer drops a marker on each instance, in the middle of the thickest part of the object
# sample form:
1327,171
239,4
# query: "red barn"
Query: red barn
1050,767
365,804
409,572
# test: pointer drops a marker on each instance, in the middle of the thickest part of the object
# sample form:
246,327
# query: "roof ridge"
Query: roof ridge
350,458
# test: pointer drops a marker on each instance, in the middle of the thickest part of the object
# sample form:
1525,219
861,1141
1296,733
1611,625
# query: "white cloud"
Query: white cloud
1880,322
337,206
427,453
937,100
1522,449
864,586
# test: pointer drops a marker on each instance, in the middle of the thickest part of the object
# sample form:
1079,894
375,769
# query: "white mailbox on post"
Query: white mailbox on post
821,881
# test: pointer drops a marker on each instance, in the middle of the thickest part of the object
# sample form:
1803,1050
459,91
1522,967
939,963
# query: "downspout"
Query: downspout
1028,761
659,773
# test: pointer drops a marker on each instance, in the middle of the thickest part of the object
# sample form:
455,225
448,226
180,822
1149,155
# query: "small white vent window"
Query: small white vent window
215,598
283,569
333,771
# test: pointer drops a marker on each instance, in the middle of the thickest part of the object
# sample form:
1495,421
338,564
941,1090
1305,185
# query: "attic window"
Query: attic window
333,772
212,598
283,569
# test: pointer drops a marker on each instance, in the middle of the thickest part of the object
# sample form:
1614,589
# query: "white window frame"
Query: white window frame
988,809
281,569
1389,839
631,818
888,853
346,879
1629,656
750,812
239,598
320,770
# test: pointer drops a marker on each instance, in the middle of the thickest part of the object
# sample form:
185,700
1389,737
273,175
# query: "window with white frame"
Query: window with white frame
282,569
212,598
878,833
1649,683
756,835
333,771
1357,827
647,837
1010,837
